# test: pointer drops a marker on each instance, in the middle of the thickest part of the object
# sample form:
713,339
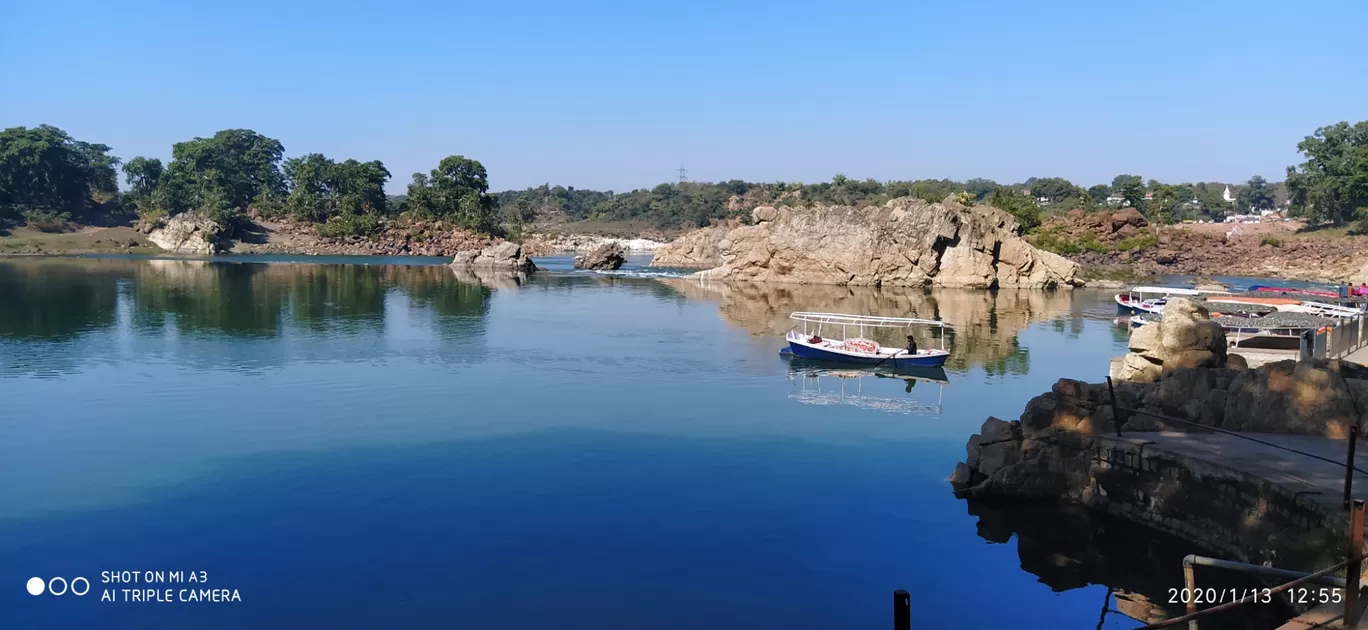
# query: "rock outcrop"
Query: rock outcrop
188,233
1323,398
905,242
1184,337
696,250
607,256
505,256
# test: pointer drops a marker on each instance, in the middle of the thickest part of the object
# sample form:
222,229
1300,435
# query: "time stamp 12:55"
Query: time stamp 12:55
1310,595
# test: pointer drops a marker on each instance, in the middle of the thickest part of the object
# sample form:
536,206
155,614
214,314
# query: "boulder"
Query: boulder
905,242
1184,337
504,255
189,233
1294,397
608,256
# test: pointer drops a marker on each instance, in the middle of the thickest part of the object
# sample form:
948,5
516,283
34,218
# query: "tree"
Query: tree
1100,192
1257,194
1163,206
458,190
1054,189
1016,204
1332,184
1120,181
980,187
239,165
45,170
1132,191
145,188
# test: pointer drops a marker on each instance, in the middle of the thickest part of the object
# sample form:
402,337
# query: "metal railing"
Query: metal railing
1335,341
1352,564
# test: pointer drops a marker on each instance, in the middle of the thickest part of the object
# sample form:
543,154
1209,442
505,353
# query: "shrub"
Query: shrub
48,221
1271,241
351,225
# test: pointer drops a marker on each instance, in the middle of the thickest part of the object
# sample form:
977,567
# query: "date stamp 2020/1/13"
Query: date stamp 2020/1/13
1310,595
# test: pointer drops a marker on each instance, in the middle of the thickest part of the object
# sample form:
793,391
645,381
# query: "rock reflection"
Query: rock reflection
984,324
1070,547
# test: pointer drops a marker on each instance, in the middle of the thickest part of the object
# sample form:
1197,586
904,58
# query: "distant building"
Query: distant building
1227,196
1115,199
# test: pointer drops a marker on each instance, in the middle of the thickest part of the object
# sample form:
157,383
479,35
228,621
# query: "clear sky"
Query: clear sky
619,94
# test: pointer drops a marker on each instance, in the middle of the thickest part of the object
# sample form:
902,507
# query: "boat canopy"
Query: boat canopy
843,319
1173,291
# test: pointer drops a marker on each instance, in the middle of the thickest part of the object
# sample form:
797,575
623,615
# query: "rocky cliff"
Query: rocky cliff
905,242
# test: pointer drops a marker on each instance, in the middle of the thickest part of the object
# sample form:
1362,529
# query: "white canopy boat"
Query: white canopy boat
809,344
1134,301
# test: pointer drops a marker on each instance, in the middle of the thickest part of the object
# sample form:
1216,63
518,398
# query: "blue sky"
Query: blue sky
619,94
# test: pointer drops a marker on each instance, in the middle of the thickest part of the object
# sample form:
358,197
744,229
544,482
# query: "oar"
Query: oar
889,357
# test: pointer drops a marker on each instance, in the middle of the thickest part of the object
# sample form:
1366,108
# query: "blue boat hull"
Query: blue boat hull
817,354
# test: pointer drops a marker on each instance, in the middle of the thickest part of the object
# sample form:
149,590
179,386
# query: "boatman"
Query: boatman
911,345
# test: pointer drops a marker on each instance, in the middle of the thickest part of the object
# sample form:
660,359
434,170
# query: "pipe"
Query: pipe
1204,561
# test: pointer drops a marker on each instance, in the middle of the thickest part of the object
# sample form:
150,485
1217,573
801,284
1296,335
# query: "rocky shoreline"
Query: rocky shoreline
1066,446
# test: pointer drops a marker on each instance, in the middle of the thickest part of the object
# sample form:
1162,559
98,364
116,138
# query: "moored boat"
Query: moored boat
810,344
1137,300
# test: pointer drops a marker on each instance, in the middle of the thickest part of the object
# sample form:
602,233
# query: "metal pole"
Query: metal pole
1190,586
1116,409
1349,465
1351,573
902,610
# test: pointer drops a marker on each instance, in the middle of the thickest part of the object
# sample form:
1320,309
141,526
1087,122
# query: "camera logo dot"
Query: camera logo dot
57,586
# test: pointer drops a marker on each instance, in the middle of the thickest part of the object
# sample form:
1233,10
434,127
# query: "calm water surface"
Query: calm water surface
387,446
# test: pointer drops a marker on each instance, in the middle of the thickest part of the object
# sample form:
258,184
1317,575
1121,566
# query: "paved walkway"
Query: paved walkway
1291,470
1360,357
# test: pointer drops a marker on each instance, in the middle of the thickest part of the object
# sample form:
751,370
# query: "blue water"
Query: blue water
386,446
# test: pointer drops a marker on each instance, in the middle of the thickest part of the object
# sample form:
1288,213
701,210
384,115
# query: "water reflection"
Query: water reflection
983,324
244,315
816,383
1071,547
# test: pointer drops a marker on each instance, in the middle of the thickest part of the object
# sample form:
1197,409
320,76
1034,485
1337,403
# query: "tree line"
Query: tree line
48,177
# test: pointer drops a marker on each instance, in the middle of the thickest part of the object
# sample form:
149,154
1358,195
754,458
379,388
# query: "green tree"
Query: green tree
1332,184
458,190
1099,193
235,166
1023,207
1132,191
1120,181
1257,194
45,169
145,189
980,187
1054,189
1164,202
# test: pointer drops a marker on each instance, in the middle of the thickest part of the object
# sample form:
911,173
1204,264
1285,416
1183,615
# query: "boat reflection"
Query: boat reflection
826,383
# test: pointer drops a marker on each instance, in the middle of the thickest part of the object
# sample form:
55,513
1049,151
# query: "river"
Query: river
389,445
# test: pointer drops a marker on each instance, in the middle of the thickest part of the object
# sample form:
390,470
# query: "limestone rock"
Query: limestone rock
607,256
1185,337
189,233
504,255
905,242
762,214
697,249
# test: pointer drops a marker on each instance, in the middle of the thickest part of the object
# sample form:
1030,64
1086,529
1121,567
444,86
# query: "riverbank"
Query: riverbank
1124,244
